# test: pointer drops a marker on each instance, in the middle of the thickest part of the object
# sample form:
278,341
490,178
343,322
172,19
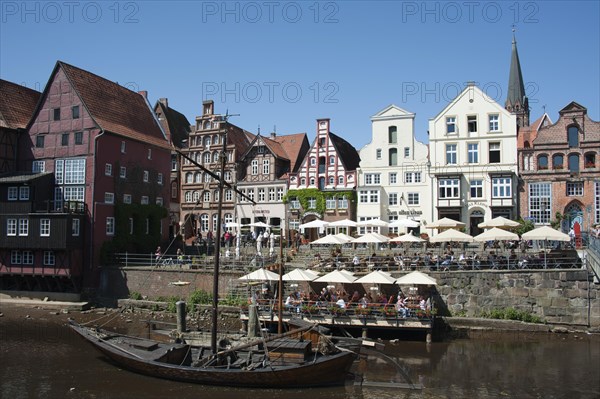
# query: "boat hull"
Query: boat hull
324,371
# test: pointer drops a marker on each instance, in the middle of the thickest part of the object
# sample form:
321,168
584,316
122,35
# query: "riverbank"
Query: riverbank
134,318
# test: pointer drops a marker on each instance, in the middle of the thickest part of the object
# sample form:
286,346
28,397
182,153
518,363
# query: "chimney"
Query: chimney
273,135
144,94
164,101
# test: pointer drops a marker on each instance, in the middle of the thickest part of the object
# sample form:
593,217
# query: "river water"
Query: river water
46,360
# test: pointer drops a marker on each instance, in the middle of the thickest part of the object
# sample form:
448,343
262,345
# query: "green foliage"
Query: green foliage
200,297
526,225
511,314
171,303
135,295
321,196
231,300
557,221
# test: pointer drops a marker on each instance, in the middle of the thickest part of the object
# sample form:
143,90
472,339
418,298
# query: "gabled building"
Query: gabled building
177,129
394,182
17,104
199,209
107,152
324,187
265,167
560,169
473,153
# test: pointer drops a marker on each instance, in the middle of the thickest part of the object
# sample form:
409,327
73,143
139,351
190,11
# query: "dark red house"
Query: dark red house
107,151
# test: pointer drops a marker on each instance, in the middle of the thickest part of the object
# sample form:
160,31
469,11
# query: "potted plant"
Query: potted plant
310,309
360,311
390,312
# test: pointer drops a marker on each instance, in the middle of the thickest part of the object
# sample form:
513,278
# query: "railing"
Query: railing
593,256
243,263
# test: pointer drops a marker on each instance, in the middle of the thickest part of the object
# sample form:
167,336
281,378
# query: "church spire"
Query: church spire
516,100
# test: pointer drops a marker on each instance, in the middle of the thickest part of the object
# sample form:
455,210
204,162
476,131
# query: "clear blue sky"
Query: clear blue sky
287,63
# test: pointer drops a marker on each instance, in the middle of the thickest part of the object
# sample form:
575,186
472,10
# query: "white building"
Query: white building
393,179
473,152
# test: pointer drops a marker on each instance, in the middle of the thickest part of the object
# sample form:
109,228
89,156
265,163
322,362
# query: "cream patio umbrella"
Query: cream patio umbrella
377,277
416,278
300,275
336,276
260,275
345,237
404,223
329,239
500,222
343,223
445,223
451,235
545,233
407,238
496,234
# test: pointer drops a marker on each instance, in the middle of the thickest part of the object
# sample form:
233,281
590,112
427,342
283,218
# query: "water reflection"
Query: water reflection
45,360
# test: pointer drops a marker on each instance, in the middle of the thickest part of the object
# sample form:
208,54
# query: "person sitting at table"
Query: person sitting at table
341,303
292,303
363,302
355,261
401,306
422,303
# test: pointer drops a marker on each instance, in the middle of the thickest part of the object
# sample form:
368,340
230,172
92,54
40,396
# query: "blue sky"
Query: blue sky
287,63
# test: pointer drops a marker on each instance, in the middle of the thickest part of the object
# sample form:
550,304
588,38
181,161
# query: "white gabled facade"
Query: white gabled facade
473,153
393,176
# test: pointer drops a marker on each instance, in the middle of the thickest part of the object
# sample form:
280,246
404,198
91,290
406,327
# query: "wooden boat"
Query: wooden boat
284,363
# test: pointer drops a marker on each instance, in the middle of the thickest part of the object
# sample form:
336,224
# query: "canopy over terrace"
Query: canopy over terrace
407,238
336,276
416,278
545,233
300,275
260,275
377,277
451,235
500,222
445,223
330,240
496,234
404,223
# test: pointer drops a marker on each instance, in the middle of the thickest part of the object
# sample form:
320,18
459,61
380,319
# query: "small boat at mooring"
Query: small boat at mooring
279,362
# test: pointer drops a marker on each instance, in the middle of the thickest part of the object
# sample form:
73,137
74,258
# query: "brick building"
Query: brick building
560,169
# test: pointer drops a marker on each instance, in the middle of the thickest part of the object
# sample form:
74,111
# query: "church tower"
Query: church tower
516,100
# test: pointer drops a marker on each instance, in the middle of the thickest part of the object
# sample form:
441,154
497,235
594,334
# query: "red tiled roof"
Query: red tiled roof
295,146
115,108
17,104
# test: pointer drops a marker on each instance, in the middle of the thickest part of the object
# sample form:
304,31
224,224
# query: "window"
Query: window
144,200
266,167
146,176
48,258
393,177
331,180
206,196
294,203
279,194
494,152
374,196
393,199
312,181
110,226
24,193
11,227
341,180
207,178
109,198
228,195
27,257
73,172
476,188
472,123
206,158
331,160
174,163
343,202
254,166
575,189
23,227
159,178
540,202
574,162
122,147
372,179
369,196
330,203
392,134
39,141
573,136
13,193
501,187
406,152
450,124
412,177
227,176
542,162
187,196
303,181
123,172
130,225
271,195
450,154
261,195
149,153
494,124
75,112
312,203
195,196
64,139
75,227
393,157
204,222
473,152
56,114
378,153
590,160
78,137
557,161
15,257
159,201
38,166
44,227
413,199
108,169
449,188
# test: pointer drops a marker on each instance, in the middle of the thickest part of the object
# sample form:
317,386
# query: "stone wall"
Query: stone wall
554,296
559,296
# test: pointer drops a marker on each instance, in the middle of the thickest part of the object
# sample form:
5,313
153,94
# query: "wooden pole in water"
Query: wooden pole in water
280,285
